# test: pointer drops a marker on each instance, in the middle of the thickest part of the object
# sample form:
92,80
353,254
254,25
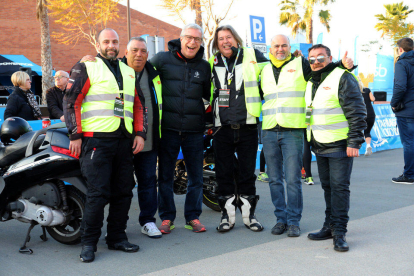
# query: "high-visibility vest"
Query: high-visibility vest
97,112
158,88
285,101
327,122
251,73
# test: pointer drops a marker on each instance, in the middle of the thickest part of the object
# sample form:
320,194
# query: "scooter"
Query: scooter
41,183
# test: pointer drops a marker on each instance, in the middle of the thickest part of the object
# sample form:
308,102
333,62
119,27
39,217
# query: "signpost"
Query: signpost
258,33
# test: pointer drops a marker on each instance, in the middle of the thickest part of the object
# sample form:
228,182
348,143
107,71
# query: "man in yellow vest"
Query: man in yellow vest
103,106
335,118
283,84
145,163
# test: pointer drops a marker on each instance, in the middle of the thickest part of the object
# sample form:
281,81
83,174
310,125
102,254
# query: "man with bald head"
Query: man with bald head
103,107
284,84
54,95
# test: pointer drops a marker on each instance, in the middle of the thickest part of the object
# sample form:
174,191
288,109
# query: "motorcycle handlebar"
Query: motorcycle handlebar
29,149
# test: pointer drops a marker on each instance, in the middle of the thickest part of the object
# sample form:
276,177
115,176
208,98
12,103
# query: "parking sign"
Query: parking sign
257,29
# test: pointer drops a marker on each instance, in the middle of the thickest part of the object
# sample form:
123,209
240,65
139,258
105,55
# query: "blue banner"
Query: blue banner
385,134
384,74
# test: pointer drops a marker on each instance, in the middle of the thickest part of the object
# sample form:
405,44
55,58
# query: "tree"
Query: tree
46,49
81,18
205,10
292,19
392,24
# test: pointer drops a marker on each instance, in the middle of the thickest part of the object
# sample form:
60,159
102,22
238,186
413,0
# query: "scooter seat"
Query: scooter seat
16,151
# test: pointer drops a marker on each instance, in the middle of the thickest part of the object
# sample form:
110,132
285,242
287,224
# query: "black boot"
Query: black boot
247,205
87,254
340,243
228,212
324,234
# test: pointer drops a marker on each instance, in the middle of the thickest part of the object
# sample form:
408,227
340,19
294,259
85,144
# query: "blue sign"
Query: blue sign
384,74
257,29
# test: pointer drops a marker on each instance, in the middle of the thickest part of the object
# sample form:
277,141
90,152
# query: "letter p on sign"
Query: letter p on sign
257,29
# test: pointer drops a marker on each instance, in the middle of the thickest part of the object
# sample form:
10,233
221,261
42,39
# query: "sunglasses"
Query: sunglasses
59,77
320,59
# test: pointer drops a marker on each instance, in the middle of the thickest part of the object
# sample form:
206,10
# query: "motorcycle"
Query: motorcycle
209,175
41,183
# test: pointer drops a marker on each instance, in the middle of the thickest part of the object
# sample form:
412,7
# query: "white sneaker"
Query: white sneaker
368,151
151,230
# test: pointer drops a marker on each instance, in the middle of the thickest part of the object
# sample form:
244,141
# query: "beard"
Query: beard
281,57
105,54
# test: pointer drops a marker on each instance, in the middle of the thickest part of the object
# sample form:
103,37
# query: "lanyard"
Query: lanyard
230,74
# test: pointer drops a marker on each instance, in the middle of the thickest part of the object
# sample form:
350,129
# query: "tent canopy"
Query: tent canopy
12,63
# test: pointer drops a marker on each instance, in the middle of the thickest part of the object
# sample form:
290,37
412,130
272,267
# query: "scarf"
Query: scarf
32,102
317,75
278,63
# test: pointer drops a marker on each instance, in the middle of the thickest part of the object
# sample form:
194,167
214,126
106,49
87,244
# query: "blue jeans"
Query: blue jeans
335,175
145,164
406,128
283,153
192,145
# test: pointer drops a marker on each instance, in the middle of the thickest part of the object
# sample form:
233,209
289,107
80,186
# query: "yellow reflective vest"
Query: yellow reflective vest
327,122
158,88
285,101
97,112
251,73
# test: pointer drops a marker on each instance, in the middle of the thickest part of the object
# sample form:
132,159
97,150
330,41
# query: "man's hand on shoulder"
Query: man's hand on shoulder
88,58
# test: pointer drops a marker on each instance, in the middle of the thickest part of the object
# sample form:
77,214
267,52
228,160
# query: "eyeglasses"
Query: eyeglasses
190,38
58,77
320,59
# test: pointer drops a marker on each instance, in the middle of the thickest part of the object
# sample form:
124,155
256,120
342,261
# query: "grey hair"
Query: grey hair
63,72
278,35
192,26
136,38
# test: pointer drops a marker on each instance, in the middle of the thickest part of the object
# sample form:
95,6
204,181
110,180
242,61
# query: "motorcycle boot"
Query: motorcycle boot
228,212
247,205
87,254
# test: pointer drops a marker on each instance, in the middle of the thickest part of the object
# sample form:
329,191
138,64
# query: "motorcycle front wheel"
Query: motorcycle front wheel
70,233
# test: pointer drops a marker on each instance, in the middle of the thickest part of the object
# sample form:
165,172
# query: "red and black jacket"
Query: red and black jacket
76,90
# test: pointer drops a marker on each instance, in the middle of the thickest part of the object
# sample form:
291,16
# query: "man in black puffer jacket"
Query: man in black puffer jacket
336,120
185,79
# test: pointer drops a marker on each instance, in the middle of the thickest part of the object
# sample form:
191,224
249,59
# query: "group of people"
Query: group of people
128,111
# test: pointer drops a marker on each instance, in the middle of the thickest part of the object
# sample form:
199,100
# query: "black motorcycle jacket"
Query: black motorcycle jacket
353,106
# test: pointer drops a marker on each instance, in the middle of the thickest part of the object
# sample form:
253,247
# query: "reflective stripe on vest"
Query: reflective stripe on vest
251,72
158,88
328,122
97,112
284,102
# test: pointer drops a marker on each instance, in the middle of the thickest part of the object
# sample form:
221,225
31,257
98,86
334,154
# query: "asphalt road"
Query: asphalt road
380,238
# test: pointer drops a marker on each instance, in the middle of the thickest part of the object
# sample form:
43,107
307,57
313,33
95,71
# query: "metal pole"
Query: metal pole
156,43
128,21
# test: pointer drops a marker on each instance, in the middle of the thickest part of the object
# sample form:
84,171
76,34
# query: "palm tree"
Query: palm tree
392,24
291,18
46,49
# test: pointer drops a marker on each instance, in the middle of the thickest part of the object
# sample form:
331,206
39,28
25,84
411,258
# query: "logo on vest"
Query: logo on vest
253,62
327,88
291,70
215,61
197,74
159,82
131,76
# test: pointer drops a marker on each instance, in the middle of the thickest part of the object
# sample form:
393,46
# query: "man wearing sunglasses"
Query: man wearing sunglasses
335,119
54,96
283,84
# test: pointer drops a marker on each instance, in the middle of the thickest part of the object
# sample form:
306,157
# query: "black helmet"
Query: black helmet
13,128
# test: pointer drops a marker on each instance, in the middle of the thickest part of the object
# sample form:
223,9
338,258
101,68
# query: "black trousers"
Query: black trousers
107,167
244,142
